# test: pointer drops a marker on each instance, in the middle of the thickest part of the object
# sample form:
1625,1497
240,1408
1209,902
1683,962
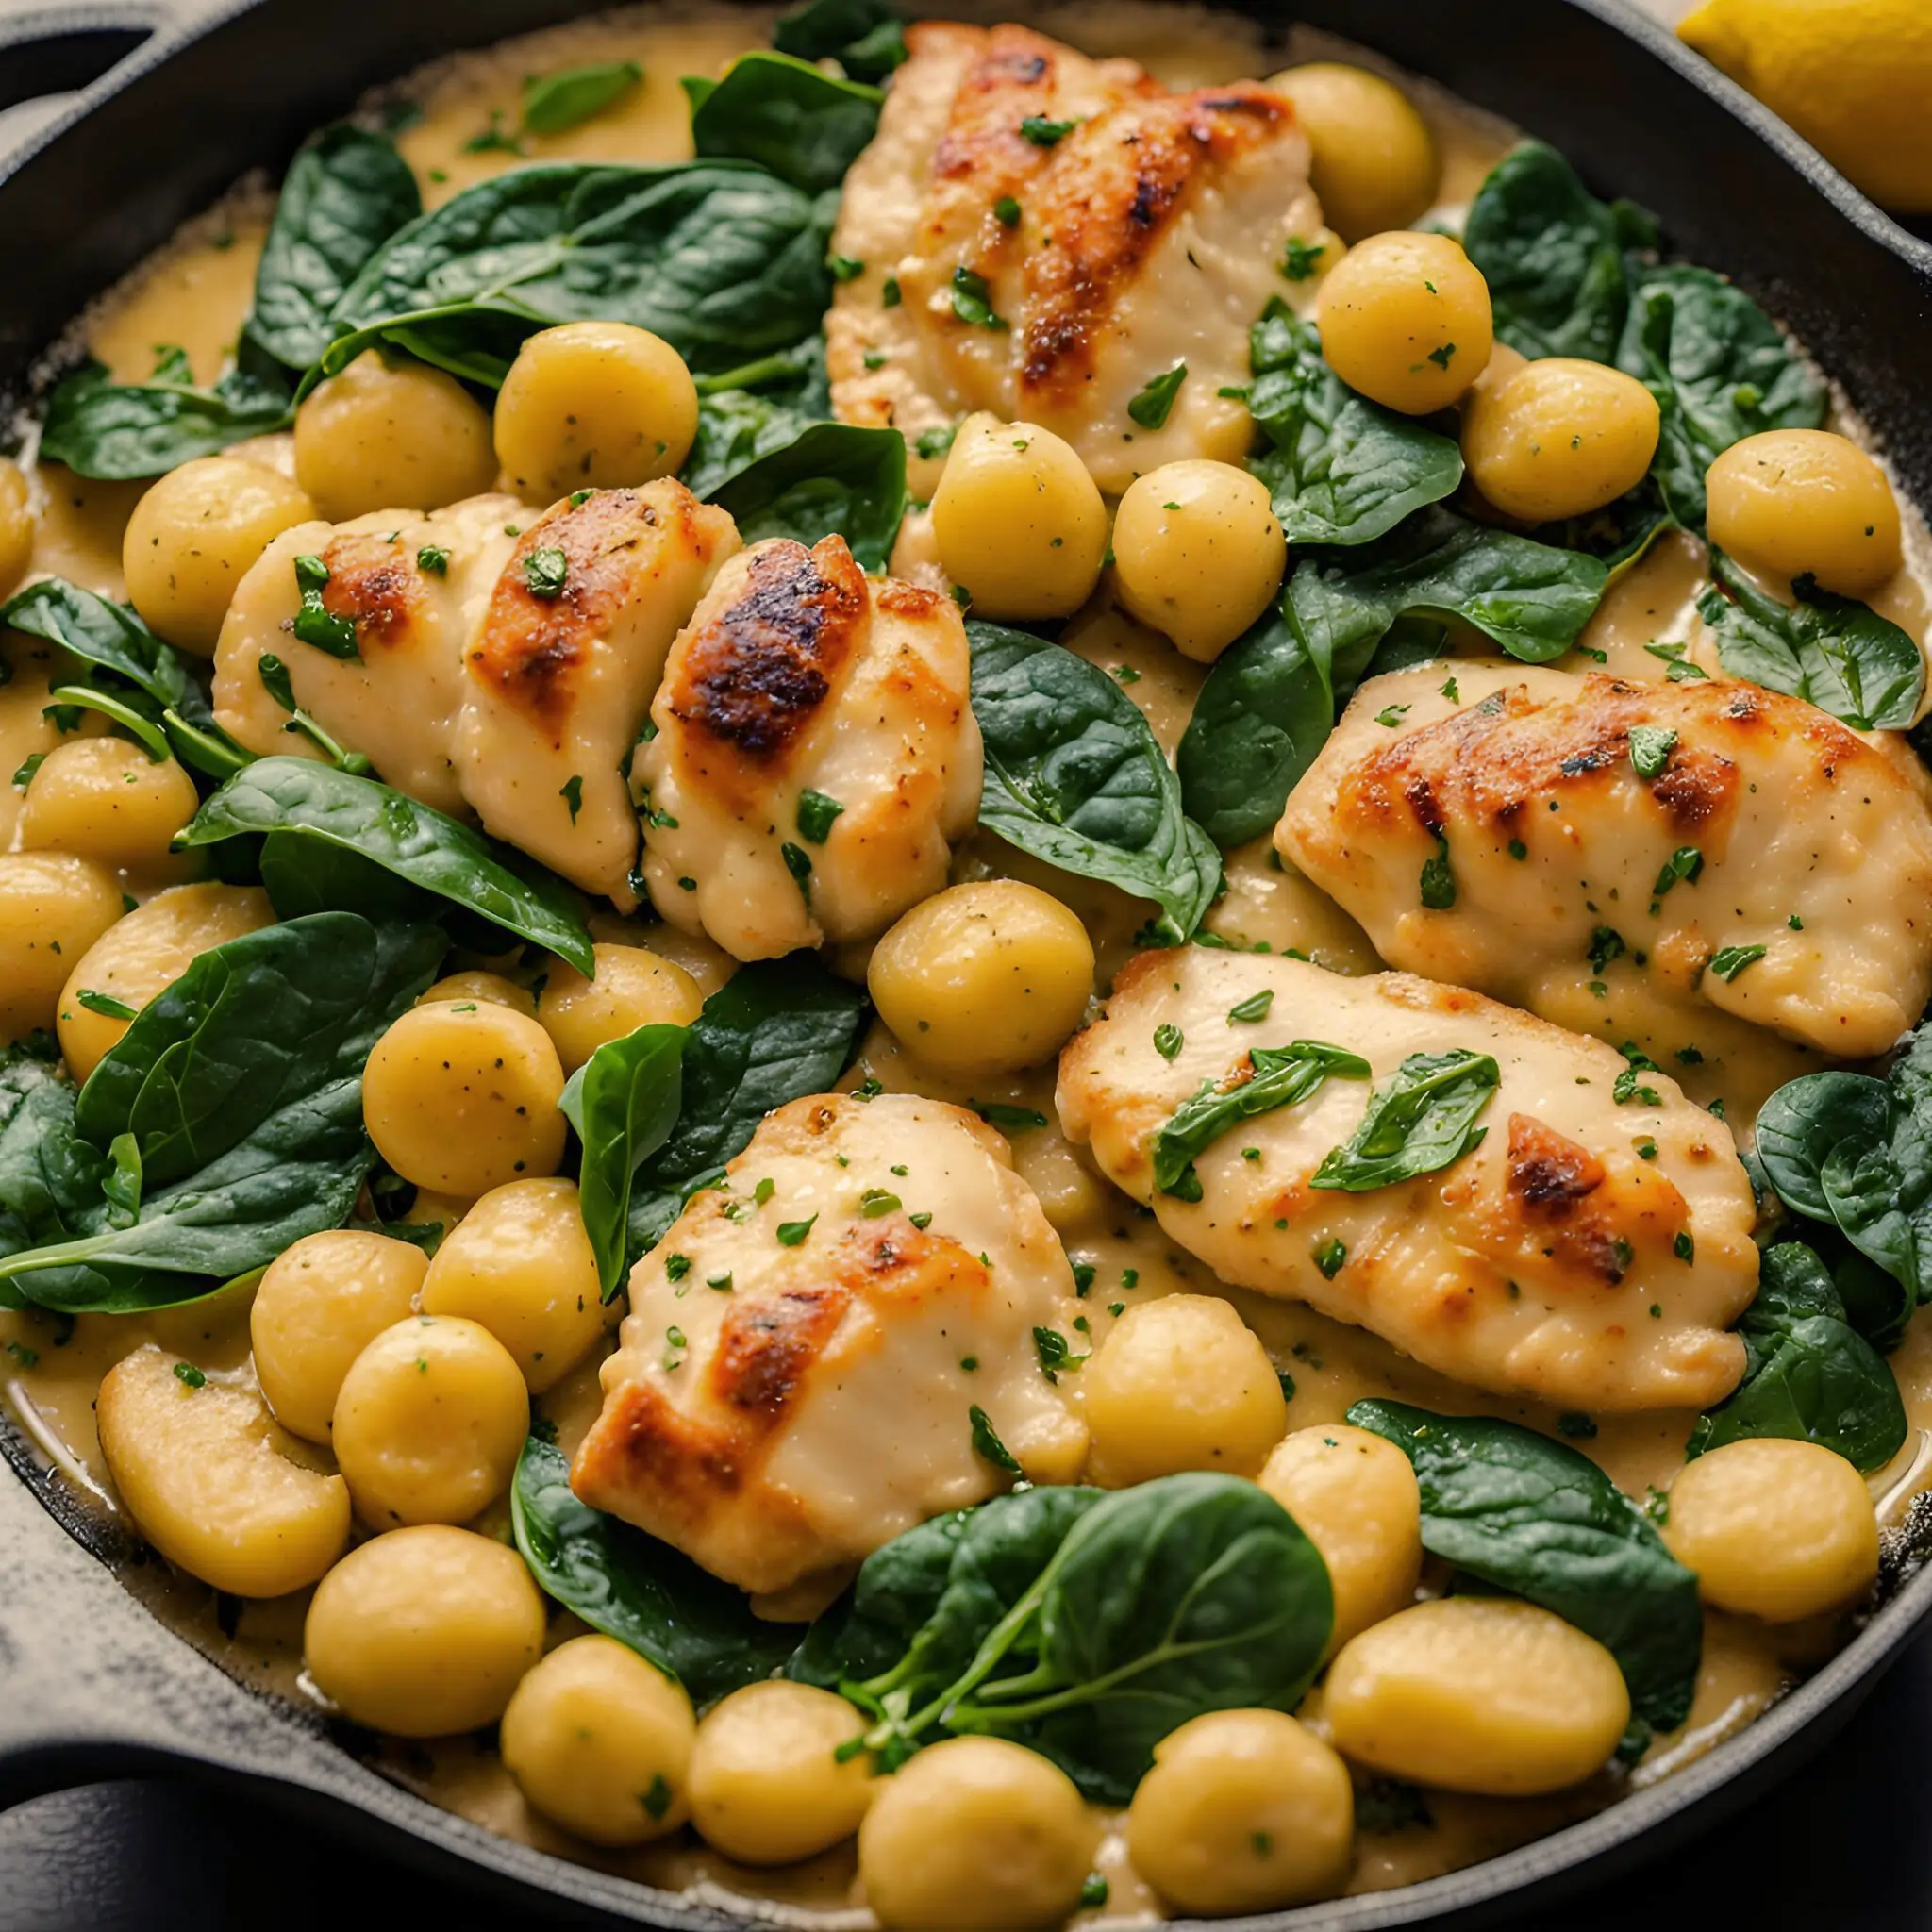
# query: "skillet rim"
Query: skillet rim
1638,1826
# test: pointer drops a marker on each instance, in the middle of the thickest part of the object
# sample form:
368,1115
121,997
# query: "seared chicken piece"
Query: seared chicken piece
397,701
1742,849
559,680
500,671
815,752
1148,236
797,1377
1586,1251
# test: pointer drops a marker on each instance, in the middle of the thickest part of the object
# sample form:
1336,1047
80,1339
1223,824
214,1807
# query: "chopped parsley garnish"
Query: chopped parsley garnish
106,1004
1255,1007
1625,1088
571,793
1005,212
1437,883
935,442
844,268
1684,1247
1042,132
1731,960
677,1267
545,572
1685,863
798,863
1009,1120
315,624
1052,1348
987,1443
1650,749
1155,403
1679,668
890,296
1301,260
434,559
1517,849
972,303
1390,716
1329,1257
189,1375
876,1201
1605,945
791,1234
1167,1040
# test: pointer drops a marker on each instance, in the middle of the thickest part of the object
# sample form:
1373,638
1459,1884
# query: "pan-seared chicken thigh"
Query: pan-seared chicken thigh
813,753
829,1348
1588,1247
1739,849
1044,235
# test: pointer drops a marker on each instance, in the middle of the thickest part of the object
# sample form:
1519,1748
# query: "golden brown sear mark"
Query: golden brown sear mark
1551,1184
765,1348
376,584
757,672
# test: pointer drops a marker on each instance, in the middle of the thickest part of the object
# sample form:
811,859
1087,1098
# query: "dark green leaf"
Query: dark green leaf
634,1589
556,103
834,478
802,124
106,634
1074,776
1340,470
1834,652
1650,749
624,1103
1154,403
987,1443
1419,1121
50,1178
865,37
118,432
416,844
1275,1078
972,301
1810,1374
1541,1519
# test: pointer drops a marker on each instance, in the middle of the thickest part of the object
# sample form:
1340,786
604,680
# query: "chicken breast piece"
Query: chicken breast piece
397,701
560,674
1766,861
1148,236
815,753
1586,1251
797,1379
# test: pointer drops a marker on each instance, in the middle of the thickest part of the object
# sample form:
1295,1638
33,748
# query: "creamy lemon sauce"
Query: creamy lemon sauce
194,294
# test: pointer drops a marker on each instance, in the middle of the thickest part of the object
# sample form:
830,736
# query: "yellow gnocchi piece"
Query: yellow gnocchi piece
1559,438
1404,319
53,907
1374,164
1795,502
106,800
634,987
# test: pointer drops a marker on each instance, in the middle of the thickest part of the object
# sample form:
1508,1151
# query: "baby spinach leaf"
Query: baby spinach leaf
50,1178
1342,470
1619,533
241,1089
1552,256
108,635
805,125
876,1623
775,1031
316,802
1719,370
556,103
1074,776
1277,1078
832,479
631,1586
723,261
117,432
749,412
1832,651
1530,599
865,37
1809,1374
346,193
1419,1121
624,1103
1540,1520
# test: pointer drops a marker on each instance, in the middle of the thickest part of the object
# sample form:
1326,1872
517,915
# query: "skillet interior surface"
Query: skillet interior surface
95,1685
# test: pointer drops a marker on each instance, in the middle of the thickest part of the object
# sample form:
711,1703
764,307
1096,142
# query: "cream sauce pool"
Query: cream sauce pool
194,296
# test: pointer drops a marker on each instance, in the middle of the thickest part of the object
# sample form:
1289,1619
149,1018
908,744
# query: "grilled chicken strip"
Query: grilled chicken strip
1741,850
797,1379
1149,234
1588,1249
814,754
500,671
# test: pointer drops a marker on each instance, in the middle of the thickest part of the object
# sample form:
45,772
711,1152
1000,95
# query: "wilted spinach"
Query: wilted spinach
1074,776
802,124
1832,651
723,261
835,478
1420,1120
1087,1627
316,803
1542,1520
624,1103
239,1092
865,37
49,1177
1340,470
775,1031
556,103
117,432
634,1589
1808,1372
108,635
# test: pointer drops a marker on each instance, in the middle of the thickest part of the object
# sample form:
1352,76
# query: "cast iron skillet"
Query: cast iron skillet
90,1685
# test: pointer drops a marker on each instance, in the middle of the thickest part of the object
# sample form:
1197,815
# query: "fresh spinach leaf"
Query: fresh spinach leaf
1526,597
1419,1121
775,1031
1340,469
1074,776
108,635
834,478
631,1586
751,411
1552,256
1720,371
346,193
723,261
805,125
1810,1374
865,37
1619,533
1541,1519
316,802
1189,1594
50,1178
118,432
556,103
1832,651
1276,1077
624,1103
240,1088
